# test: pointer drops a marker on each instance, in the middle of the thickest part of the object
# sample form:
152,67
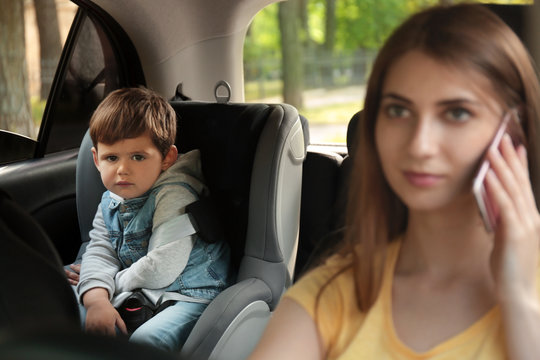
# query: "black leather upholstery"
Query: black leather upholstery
324,200
35,292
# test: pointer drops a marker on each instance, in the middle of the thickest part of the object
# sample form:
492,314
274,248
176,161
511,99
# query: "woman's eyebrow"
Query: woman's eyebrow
445,102
459,101
398,97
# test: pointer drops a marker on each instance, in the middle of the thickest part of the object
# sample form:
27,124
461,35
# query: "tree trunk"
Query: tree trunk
330,26
304,18
49,42
292,64
14,99
329,41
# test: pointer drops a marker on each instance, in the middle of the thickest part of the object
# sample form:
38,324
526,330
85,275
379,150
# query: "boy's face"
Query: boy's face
130,167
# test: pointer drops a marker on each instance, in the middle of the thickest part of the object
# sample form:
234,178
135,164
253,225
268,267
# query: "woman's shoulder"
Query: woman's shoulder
327,293
332,279
323,283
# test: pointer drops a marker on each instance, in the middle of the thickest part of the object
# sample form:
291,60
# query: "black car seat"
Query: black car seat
324,200
320,188
252,157
35,294
345,170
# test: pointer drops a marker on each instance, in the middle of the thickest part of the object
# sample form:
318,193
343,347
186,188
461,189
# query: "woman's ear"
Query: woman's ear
170,158
95,156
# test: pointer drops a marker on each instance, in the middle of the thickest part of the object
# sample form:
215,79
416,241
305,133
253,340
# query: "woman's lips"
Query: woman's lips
422,179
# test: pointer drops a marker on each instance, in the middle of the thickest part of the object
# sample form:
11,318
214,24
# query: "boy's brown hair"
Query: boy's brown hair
130,112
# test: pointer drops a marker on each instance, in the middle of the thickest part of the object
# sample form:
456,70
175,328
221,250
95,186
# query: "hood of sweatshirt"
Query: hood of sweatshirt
188,169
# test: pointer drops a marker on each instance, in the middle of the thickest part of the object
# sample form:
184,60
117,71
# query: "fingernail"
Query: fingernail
494,151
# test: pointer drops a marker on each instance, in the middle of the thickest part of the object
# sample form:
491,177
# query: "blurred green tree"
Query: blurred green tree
322,31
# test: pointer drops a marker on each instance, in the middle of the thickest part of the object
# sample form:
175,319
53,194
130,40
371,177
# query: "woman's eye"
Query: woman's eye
138,157
397,111
458,114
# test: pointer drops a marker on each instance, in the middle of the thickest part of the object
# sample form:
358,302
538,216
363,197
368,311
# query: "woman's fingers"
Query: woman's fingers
513,189
505,204
516,159
515,254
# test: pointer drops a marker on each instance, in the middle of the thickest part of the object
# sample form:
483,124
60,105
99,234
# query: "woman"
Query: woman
418,275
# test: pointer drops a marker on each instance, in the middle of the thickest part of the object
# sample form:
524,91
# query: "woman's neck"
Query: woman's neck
445,243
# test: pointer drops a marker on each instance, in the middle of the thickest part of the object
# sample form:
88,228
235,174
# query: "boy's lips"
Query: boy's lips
123,183
422,179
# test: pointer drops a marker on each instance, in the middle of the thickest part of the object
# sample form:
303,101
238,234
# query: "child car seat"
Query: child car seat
252,158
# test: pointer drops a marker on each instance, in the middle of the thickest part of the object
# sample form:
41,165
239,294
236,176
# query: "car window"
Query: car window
91,73
317,56
62,89
32,39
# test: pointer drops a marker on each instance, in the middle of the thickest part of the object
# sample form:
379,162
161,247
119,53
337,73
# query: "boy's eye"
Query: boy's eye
458,114
397,111
138,157
111,158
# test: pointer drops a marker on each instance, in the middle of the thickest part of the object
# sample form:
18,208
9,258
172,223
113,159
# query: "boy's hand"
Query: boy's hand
73,276
101,316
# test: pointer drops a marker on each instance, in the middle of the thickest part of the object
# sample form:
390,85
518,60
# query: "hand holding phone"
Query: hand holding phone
489,211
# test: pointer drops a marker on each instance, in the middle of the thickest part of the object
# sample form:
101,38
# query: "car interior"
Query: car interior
277,199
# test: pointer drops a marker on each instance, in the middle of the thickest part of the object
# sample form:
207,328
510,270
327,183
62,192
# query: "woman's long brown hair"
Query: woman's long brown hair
467,37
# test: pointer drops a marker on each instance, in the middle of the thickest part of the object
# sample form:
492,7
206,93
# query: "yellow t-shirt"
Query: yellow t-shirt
350,334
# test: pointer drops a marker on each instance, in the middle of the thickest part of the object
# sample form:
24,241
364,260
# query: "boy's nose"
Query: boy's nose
122,167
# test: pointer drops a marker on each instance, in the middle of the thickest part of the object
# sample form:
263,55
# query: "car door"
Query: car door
97,58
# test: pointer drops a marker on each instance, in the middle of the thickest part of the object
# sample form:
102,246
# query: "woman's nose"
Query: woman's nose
423,139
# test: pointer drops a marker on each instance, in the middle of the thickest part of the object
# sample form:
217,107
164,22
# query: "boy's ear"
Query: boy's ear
95,156
170,158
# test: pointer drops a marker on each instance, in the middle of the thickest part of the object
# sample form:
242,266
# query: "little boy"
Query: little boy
142,239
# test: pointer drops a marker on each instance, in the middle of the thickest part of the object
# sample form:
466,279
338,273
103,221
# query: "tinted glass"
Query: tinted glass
92,72
32,35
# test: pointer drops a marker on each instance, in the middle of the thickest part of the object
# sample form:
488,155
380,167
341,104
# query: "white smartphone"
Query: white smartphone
488,209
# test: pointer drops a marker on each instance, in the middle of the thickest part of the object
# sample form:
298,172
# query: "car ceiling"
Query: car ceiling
196,42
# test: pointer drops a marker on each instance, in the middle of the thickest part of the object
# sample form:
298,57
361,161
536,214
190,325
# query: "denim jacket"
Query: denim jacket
130,227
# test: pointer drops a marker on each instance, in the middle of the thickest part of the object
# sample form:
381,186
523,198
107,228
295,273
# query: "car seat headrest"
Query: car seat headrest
352,130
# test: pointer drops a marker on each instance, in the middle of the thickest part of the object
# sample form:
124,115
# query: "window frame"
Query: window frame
129,67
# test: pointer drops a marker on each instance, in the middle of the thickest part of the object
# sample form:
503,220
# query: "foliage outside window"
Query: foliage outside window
32,35
28,68
317,55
